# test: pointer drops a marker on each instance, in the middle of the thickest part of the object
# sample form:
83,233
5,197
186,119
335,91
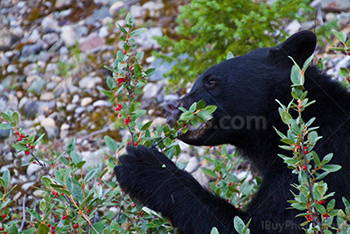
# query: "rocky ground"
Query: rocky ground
52,55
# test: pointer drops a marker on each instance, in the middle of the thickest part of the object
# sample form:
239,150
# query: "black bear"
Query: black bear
244,89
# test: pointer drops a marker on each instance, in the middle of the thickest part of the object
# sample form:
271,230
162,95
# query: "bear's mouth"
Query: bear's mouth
195,132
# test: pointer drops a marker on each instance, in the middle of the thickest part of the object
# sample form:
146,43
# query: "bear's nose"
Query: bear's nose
171,112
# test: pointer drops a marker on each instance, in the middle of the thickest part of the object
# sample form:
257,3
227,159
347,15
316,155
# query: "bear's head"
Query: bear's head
241,89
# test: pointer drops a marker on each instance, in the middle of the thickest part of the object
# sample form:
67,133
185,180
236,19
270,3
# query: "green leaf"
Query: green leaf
307,62
5,126
46,181
20,146
336,48
129,20
150,71
211,108
6,116
110,82
75,157
331,167
209,172
14,229
42,205
344,72
229,55
91,174
238,224
341,36
43,229
295,76
137,70
214,230
70,146
122,29
29,231
139,55
111,143
39,139
14,119
6,177
280,133
138,31
146,125
107,93
286,117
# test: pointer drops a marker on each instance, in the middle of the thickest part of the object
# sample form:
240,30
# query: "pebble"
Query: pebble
50,38
101,103
69,35
47,96
115,8
86,101
32,169
89,82
192,165
62,3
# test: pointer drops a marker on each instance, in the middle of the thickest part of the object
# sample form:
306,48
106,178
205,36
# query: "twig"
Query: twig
24,213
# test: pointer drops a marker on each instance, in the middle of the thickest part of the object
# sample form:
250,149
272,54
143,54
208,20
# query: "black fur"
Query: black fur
243,87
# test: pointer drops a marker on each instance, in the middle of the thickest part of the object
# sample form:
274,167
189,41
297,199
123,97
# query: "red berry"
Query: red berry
53,227
49,225
348,79
309,218
32,147
4,216
135,144
304,168
62,194
348,53
306,152
1,228
76,226
53,232
64,216
133,205
120,115
26,152
17,133
322,202
19,139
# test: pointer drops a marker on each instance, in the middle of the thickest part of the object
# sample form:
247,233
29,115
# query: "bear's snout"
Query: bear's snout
172,112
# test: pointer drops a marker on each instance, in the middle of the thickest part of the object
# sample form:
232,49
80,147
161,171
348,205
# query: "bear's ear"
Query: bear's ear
299,46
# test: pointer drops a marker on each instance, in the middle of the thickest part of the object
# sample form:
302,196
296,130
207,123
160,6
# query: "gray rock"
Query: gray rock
97,15
32,169
4,133
71,107
86,101
115,8
192,165
101,103
49,23
37,86
136,11
145,39
50,39
79,110
103,32
201,178
152,90
44,56
154,8
12,68
89,82
34,37
34,108
3,60
62,3
69,35
47,96
293,27
91,44
26,186
32,49
335,5
76,98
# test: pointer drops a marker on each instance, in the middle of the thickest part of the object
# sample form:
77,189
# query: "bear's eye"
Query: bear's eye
210,82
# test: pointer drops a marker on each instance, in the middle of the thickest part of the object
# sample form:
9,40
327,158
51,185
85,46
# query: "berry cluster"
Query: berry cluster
22,136
55,194
119,107
127,120
121,80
